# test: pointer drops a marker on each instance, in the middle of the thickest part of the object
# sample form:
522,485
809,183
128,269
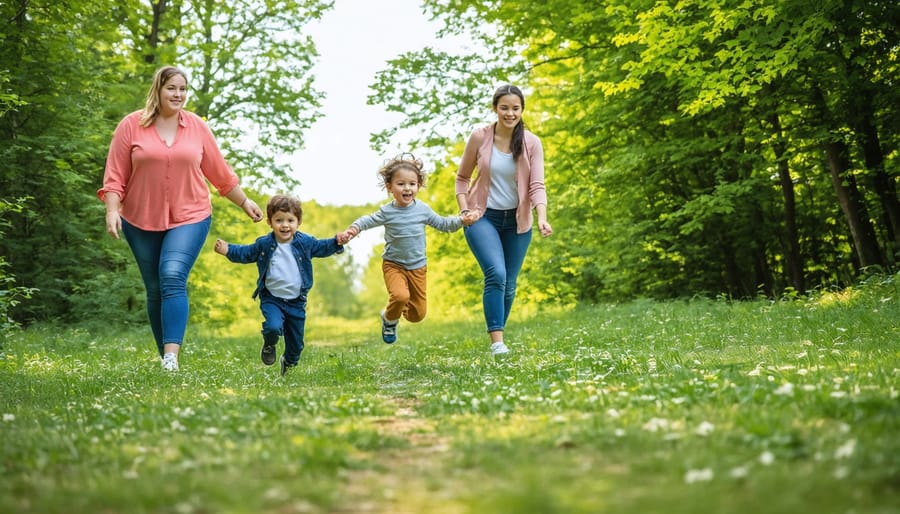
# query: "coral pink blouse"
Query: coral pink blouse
161,186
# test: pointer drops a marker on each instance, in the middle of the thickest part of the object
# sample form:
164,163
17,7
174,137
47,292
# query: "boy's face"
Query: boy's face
284,225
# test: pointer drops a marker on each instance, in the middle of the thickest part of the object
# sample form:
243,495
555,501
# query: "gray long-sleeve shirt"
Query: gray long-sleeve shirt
404,231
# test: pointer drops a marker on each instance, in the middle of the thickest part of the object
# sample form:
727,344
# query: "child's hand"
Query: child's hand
345,236
221,247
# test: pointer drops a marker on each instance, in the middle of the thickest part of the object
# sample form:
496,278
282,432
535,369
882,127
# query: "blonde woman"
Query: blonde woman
155,191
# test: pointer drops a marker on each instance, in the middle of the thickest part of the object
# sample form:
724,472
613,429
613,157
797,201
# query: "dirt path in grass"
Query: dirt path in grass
402,480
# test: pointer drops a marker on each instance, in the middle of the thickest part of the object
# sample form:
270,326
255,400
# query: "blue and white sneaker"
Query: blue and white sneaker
388,330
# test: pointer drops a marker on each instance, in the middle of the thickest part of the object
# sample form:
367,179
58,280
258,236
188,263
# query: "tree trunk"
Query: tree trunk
792,261
884,185
861,229
153,37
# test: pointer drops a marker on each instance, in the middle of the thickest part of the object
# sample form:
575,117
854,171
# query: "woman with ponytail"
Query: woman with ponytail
507,187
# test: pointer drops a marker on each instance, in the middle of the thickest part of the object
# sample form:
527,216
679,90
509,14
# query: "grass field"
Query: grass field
679,407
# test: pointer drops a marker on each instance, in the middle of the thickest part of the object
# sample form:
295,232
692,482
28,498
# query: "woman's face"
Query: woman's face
173,95
509,110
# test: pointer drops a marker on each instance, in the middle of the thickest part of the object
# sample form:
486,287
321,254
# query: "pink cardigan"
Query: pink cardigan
162,186
529,174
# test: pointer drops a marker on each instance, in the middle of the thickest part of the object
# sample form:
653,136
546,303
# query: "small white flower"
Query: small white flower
619,432
838,394
846,450
739,472
841,472
9,417
613,413
785,389
704,429
766,458
754,372
698,475
656,424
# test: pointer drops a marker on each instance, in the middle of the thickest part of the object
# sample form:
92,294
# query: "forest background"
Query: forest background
716,148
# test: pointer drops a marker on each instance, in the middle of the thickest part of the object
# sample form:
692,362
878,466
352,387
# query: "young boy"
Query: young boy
284,258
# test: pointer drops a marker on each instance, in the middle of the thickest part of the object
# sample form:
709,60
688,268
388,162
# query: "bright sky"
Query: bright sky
354,40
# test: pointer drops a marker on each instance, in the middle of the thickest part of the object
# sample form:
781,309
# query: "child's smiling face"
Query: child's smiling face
284,224
404,185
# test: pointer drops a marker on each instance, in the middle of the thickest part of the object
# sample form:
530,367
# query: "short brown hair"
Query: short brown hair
284,203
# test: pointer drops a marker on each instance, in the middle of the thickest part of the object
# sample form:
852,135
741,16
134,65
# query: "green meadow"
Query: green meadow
678,407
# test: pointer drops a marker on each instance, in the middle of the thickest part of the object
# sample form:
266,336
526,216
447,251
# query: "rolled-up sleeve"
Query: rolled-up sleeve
118,161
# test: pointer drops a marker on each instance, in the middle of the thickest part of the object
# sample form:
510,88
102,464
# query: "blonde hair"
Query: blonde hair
151,108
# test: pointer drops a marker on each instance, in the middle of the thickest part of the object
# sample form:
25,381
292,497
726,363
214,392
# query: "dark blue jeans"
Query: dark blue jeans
165,259
287,318
500,252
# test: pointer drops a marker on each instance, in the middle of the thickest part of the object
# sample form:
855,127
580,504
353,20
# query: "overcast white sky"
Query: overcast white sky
354,40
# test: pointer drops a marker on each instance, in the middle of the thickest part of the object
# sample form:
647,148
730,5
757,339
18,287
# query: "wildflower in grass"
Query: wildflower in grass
656,424
739,472
845,451
785,389
698,475
704,429
838,394
619,432
754,372
613,413
841,472
766,458
9,417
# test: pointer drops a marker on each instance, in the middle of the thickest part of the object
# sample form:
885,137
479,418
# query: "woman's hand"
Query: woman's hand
252,210
545,228
113,223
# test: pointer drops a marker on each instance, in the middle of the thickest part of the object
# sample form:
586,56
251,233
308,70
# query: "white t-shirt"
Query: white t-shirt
283,279
504,190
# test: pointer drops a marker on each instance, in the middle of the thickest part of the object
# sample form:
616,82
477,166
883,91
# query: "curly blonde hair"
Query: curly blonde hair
404,161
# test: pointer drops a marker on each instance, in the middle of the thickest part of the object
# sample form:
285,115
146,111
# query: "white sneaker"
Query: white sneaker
170,362
499,348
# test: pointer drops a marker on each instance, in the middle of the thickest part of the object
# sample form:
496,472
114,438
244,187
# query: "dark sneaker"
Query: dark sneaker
267,354
285,366
388,330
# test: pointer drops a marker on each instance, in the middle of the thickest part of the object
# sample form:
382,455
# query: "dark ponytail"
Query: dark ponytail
517,142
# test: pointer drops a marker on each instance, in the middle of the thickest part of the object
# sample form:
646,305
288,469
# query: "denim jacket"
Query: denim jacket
304,247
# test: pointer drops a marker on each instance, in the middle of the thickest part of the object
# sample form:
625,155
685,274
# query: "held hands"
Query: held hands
345,236
469,217
221,247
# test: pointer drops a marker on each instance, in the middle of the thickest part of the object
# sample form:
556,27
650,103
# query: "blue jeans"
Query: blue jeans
500,252
287,318
165,259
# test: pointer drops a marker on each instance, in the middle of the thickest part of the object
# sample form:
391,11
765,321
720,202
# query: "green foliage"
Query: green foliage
70,71
677,407
675,133
10,294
